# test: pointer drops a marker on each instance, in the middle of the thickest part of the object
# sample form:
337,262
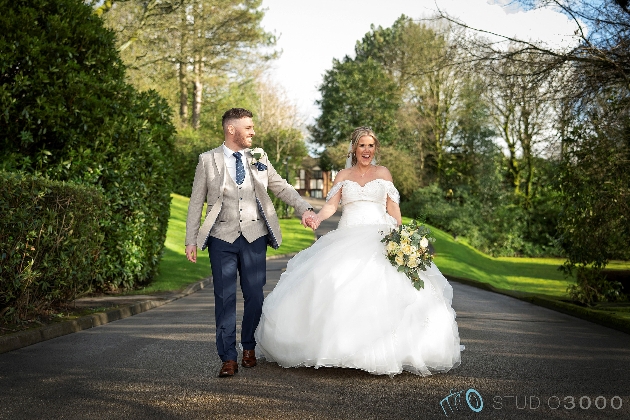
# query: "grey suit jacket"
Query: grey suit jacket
208,186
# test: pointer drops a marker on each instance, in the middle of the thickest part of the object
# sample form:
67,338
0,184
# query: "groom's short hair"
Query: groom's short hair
235,114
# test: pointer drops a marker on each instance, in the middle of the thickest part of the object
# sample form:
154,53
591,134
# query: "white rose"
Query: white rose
424,242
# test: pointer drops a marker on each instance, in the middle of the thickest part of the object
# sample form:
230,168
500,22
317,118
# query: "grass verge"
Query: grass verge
536,280
176,272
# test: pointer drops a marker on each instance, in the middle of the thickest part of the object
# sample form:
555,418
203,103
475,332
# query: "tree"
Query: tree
356,93
522,105
278,127
68,114
470,160
595,184
591,110
423,63
181,46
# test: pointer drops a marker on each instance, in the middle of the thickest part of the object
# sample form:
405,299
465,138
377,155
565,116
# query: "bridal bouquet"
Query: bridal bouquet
407,248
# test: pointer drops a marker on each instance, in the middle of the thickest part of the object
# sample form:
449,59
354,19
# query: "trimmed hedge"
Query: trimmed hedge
49,242
67,113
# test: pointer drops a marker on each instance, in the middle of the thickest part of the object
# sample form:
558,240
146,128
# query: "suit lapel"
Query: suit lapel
219,161
248,163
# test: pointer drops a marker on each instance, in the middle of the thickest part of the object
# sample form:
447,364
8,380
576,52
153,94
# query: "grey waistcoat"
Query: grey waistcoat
239,212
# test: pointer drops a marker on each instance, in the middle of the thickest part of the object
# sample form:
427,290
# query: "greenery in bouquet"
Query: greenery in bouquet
407,249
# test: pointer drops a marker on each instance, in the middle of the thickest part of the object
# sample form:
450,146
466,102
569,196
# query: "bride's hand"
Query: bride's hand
307,219
313,221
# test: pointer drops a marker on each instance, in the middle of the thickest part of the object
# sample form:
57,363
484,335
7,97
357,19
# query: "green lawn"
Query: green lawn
536,280
540,276
176,272
531,275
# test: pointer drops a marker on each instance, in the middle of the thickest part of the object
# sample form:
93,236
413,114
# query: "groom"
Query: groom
240,222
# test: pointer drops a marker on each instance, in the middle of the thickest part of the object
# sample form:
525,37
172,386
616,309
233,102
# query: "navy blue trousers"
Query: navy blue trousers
249,261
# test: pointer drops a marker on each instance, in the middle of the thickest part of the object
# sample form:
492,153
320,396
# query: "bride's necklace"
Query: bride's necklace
368,170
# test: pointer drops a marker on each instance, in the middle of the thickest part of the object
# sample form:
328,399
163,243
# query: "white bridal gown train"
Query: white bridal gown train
340,302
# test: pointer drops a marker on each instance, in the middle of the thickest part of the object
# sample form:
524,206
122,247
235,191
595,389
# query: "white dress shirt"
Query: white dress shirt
230,162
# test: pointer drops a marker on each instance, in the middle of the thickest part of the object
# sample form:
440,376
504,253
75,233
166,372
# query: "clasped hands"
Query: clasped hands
310,219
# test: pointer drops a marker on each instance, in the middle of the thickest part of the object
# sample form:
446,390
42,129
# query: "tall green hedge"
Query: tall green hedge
49,242
66,113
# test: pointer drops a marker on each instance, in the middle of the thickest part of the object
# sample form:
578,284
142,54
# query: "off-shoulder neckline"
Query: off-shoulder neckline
364,185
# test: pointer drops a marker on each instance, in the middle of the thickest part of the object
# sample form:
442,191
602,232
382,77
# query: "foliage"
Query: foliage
595,184
592,286
496,226
277,132
50,242
590,108
356,93
189,144
402,166
186,49
68,114
421,60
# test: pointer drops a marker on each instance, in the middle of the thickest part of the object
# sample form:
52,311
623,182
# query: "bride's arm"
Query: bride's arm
329,208
332,203
394,210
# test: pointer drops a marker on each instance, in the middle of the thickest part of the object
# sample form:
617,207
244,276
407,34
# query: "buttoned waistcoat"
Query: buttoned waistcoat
239,212
209,186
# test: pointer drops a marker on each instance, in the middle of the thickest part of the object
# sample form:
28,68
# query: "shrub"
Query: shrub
189,144
68,114
501,228
592,286
49,242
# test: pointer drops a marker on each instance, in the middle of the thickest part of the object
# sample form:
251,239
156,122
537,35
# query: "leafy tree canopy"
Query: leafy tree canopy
356,93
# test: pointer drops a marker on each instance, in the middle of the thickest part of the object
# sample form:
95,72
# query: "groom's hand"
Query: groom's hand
191,253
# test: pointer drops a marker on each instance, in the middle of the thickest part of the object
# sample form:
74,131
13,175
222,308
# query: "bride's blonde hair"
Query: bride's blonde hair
354,142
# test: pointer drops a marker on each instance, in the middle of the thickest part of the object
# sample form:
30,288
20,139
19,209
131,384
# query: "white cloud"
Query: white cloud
543,25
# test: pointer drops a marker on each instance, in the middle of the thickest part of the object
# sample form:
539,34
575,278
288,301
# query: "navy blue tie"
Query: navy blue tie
240,169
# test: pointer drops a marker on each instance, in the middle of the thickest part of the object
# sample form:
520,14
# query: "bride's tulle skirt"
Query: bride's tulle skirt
341,303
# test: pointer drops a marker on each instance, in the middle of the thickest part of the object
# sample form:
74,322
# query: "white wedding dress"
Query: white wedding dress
341,303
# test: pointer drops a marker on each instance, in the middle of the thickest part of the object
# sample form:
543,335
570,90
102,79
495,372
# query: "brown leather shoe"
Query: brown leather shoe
229,368
249,358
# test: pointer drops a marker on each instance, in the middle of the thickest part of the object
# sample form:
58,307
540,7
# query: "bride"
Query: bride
340,302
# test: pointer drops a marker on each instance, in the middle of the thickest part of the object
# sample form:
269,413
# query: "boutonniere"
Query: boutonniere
257,154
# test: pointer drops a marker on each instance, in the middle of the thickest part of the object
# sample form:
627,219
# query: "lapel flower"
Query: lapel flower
257,154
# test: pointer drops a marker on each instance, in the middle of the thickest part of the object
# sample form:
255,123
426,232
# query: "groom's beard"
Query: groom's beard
242,140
